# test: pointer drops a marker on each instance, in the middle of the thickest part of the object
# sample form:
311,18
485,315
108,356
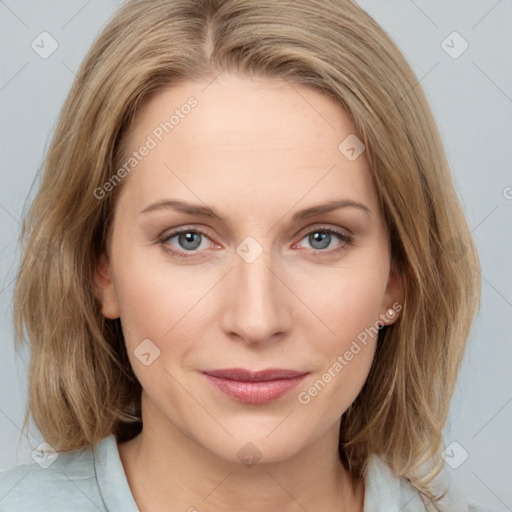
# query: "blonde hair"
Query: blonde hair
81,385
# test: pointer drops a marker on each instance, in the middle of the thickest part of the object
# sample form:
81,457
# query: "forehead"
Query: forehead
255,139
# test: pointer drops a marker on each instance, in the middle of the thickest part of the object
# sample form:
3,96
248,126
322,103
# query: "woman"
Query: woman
254,299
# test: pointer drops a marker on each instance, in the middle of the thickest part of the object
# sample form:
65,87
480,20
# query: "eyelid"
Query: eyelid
327,227
303,232
346,238
345,235
168,234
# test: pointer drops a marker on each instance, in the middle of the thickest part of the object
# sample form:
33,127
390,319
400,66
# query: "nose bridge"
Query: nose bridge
256,308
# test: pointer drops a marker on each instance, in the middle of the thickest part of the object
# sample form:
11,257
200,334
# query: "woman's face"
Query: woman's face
263,276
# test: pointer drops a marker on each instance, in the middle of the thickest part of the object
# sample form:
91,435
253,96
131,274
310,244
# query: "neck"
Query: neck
166,468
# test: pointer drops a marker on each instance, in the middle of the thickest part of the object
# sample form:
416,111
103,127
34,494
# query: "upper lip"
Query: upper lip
244,375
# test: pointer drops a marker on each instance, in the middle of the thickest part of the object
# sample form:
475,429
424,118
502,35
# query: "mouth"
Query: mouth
254,387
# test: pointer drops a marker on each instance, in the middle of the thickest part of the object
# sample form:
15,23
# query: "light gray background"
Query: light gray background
471,97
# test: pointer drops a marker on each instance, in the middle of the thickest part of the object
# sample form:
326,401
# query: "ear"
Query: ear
392,302
105,290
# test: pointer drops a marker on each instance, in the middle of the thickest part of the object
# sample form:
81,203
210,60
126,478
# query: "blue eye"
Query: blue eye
321,238
189,241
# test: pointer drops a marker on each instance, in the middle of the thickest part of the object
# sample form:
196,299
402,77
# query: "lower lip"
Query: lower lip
260,392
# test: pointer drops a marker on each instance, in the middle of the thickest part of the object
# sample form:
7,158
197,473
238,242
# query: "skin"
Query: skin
257,150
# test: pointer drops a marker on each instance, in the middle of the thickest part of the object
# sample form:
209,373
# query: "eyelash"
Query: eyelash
345,239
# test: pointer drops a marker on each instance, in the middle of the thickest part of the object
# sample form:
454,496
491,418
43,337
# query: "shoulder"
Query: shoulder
386,491
56,485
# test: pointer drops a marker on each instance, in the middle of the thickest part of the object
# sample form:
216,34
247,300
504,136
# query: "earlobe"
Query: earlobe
105,290
393,300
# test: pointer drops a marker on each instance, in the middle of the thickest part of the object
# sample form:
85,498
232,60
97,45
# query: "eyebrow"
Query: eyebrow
210,212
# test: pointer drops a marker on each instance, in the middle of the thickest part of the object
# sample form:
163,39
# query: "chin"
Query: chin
250,448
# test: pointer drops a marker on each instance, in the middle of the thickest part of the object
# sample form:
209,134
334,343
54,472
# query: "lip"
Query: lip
254,387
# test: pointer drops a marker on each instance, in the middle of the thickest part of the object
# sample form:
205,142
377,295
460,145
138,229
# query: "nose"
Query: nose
258,302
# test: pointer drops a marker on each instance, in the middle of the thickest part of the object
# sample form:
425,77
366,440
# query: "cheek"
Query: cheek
345,359
163,314
142,305
347,304
345,301
153,310
152,298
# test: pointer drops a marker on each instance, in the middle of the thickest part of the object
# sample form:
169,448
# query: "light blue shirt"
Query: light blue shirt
93,480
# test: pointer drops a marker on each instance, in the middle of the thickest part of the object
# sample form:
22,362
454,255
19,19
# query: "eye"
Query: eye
187,241
322,238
